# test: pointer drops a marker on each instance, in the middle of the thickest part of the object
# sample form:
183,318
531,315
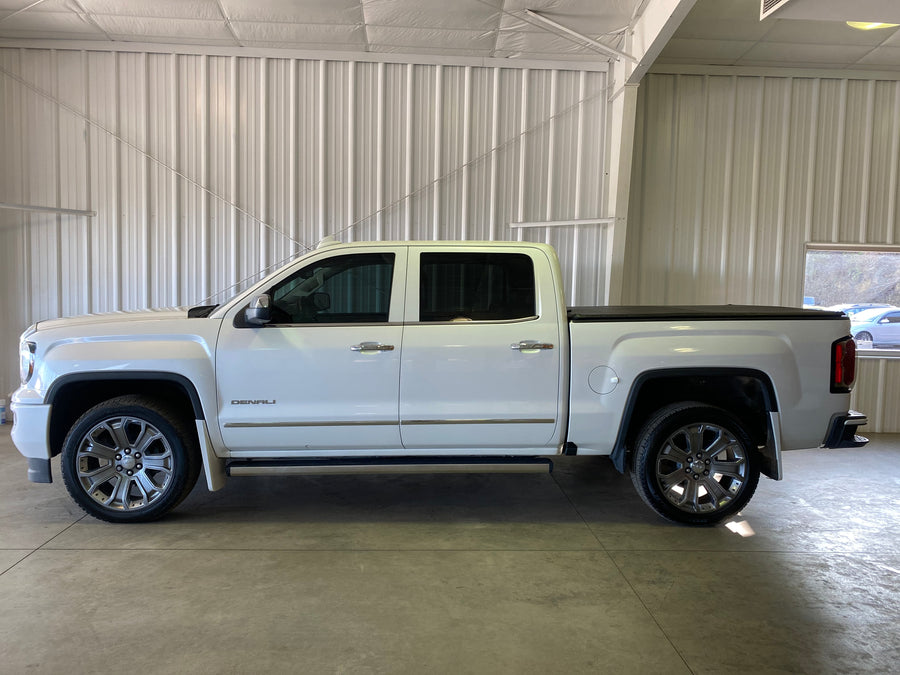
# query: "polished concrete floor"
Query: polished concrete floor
561,573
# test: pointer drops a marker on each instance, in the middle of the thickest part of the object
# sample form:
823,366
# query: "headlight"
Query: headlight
26,360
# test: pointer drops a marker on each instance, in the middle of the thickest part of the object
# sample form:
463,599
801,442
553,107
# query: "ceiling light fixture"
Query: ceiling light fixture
870,25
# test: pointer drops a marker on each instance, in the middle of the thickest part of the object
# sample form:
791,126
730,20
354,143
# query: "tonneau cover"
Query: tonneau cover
697,313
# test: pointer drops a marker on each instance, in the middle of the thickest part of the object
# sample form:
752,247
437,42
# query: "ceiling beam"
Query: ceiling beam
24,9
228,24
307,54
578,37
653,29
83,14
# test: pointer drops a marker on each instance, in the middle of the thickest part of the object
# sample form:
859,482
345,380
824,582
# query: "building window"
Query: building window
861,281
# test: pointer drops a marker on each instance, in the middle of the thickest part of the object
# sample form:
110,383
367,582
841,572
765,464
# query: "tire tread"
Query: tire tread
131,404
641,468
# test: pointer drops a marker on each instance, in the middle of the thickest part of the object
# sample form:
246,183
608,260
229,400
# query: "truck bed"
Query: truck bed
696,313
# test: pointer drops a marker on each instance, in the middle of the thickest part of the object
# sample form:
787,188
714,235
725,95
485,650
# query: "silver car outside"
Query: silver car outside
881,327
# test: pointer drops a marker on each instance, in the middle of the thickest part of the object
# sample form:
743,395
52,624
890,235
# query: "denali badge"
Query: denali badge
257,401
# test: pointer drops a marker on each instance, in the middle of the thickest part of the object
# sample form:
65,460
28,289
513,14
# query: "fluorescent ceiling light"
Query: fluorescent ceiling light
870,25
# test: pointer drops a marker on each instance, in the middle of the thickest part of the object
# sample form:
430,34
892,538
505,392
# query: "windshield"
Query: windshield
262,278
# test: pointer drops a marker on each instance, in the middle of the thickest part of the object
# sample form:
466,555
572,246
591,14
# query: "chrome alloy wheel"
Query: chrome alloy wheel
124,463
701,468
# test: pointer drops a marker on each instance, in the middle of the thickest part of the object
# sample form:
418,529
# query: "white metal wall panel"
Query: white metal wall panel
877,394
733,175
13,224
205,171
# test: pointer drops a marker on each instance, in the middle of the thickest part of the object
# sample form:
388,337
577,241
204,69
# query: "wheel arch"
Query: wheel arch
744,392
72,395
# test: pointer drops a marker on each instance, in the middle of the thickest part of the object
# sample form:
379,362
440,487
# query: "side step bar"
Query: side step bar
388,465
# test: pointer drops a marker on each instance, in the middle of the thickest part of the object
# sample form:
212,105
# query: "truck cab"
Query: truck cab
419,349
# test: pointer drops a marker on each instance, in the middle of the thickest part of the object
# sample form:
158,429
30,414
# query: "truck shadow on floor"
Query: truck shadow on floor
422,497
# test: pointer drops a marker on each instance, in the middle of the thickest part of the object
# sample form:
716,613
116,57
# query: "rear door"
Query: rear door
480,368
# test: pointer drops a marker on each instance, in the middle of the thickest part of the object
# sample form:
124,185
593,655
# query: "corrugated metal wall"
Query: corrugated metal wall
205,170
734,175
878,394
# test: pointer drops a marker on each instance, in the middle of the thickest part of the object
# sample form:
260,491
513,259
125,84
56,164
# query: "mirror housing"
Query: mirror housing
321,301
259,312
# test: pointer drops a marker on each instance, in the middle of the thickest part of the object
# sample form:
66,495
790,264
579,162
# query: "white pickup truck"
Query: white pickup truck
394,357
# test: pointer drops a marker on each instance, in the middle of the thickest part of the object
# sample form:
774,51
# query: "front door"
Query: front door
323,376
481,354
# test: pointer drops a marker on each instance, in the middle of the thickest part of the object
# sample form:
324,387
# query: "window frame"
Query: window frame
398,280
413,291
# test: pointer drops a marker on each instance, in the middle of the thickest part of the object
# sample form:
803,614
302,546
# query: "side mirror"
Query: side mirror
259,312
321,301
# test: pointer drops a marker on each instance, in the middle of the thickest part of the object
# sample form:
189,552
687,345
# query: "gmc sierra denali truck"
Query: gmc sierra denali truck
393,357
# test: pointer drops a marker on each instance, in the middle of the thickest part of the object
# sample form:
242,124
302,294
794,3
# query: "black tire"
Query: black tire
695,464
863,336
130,459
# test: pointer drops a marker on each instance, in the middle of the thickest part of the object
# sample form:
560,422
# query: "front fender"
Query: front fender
184,359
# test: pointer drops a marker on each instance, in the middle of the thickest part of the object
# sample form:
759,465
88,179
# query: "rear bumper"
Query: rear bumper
842,431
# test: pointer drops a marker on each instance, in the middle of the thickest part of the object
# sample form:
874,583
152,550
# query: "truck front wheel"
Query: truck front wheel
130,459
694,464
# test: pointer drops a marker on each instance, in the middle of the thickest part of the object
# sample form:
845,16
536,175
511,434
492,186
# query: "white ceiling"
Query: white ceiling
715,32
481,28
729,33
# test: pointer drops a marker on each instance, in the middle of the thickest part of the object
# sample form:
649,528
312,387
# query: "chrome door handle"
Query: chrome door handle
528,345
371,347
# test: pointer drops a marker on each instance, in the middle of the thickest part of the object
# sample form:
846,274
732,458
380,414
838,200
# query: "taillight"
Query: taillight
843,365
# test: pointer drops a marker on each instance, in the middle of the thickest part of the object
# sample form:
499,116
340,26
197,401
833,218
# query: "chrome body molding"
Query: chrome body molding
335,423
415,423
405,423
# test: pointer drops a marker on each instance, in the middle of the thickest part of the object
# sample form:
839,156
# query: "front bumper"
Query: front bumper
30,436
842,431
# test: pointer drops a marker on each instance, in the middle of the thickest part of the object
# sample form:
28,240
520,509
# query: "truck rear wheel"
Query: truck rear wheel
130,459
694,464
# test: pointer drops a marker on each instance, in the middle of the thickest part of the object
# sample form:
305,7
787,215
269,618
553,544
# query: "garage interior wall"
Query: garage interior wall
734,174
205,170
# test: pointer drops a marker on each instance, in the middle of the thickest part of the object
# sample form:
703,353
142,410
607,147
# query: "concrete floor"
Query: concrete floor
561,573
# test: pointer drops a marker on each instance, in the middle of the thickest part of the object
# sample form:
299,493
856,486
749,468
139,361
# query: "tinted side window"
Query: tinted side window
344,289
476,286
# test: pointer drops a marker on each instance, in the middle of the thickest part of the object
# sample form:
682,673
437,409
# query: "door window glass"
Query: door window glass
344,289
476,287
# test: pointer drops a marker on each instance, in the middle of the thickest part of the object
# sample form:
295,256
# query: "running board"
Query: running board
396,465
